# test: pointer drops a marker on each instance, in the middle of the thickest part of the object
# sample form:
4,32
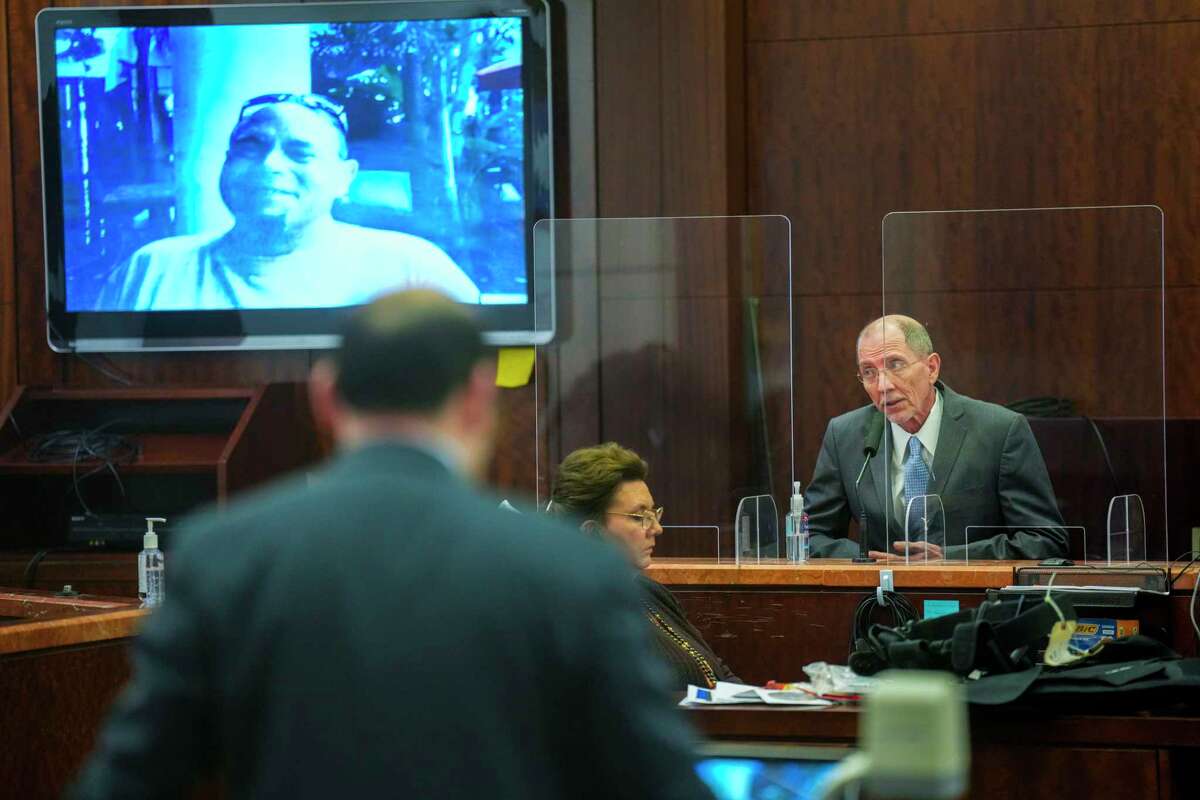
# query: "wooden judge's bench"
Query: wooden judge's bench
63,660
769,620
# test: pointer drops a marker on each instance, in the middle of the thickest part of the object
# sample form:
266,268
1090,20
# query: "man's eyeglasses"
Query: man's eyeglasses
647,518
314,102
894,366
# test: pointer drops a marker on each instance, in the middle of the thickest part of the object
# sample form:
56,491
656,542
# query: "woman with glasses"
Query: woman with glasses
605,487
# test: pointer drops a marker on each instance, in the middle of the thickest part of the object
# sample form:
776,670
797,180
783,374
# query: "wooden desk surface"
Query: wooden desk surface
842,573
35,620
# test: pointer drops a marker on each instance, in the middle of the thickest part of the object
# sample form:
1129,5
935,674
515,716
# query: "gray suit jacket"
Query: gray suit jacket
383,631
988,471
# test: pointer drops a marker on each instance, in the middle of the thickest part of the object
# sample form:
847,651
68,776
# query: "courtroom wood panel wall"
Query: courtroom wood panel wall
856,112
8,316
55,702
829,19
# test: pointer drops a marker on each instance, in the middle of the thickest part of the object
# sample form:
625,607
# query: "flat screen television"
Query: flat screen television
243,176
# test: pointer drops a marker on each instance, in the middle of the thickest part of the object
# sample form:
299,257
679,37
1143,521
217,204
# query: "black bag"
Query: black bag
1004,640
1000,636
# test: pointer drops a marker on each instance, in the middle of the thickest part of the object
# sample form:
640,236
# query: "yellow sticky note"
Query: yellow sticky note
514,367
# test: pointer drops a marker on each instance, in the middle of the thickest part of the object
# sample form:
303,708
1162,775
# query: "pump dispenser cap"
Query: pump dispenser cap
150,539
797,498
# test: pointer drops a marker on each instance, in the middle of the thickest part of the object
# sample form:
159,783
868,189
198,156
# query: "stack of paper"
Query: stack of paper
725,694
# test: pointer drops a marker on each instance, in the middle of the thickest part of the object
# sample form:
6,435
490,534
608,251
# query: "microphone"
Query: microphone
871,440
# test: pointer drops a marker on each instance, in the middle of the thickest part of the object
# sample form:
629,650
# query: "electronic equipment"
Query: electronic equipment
444,107
749,771
1138,597
110,531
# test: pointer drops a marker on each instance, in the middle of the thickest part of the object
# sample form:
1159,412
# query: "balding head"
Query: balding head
899,369
412,367
914,333
407,352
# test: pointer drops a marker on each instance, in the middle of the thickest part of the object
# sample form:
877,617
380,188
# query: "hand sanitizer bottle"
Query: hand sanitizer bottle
796,528
150,567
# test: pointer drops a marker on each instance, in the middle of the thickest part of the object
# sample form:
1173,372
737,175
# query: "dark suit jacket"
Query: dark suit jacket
987,470
384,631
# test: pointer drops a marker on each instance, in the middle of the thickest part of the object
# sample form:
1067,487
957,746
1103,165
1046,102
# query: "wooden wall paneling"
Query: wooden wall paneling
774,20
8,327
36,364
819,156
1177,154
629,144
823,378
1183,350
8,350
520,455
1002,770
702,63
231,368
569,362
57,700
1016,119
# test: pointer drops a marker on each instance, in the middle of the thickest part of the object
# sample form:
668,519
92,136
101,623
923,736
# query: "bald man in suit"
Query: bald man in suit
980,459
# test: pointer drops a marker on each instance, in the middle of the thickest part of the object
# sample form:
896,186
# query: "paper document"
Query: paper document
791,697
723,694
727,694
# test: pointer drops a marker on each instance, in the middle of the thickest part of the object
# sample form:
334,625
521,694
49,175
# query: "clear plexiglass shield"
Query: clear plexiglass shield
1047,327
673,339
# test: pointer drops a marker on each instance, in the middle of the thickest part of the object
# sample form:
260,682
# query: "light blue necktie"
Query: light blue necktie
916,484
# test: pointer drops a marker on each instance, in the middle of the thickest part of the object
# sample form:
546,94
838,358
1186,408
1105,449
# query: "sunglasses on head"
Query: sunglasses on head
314,102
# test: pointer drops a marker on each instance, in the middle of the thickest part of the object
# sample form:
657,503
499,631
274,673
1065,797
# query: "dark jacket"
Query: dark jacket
988,471
383,631
691,660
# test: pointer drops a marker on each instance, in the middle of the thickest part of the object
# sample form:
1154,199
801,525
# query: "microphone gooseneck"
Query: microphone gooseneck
871,440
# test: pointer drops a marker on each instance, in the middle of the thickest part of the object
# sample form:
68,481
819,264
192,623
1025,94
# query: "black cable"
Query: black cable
1044,407
1059,407
31,568
1112,473
902,613
107,369
1194,555
76,447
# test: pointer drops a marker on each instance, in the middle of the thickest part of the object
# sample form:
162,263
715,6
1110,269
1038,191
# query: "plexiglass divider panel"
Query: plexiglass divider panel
679,342
1057,314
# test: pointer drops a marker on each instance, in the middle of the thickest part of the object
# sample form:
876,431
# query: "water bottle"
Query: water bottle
150,567
795,526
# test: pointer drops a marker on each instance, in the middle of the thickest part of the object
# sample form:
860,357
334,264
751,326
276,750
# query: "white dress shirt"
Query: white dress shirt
928,436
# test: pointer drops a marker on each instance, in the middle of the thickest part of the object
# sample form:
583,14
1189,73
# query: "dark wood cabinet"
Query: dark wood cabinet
173,450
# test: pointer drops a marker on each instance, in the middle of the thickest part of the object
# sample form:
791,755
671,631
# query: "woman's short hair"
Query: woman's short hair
588,478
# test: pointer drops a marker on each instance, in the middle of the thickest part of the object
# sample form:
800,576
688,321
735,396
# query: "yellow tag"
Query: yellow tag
514,367
1058,651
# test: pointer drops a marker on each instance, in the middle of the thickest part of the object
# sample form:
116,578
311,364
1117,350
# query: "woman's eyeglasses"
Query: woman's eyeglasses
647,518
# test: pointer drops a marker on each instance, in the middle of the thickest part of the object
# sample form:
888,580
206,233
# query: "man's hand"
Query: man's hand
917,551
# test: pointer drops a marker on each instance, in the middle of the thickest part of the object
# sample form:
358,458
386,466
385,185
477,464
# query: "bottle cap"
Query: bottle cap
150,540
797,498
